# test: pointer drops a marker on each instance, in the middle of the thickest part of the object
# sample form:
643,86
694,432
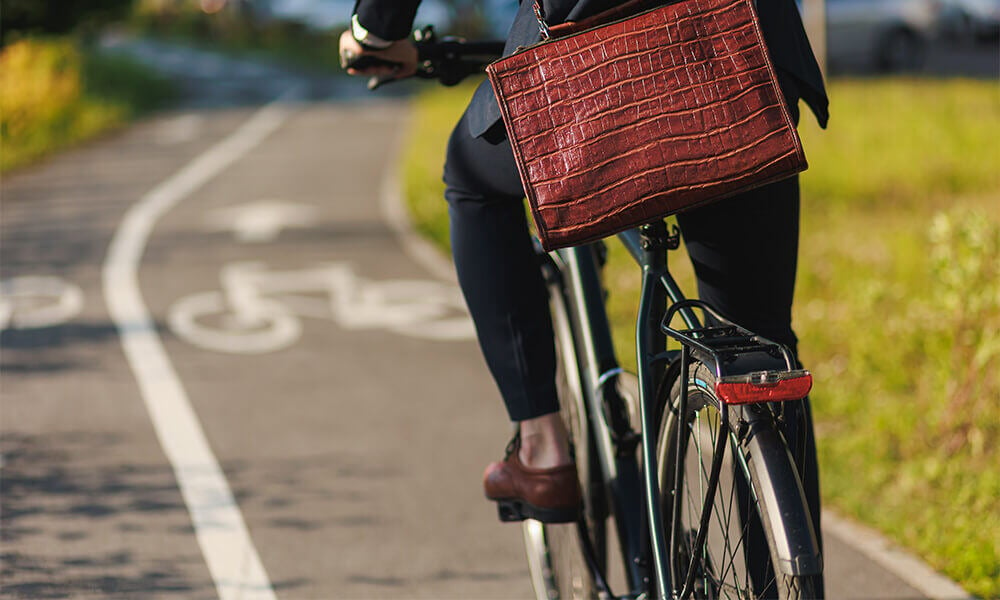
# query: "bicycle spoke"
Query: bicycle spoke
729,552
734,558
743,536
723,522
722,559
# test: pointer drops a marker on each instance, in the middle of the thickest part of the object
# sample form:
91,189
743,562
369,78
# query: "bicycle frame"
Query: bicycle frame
615,441
634,491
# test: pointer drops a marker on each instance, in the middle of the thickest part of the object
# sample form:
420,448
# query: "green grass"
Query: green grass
56,95
435,113
897,307
904,143
899,319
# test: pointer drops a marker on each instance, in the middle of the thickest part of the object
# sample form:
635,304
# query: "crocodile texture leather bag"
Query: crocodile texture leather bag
628,121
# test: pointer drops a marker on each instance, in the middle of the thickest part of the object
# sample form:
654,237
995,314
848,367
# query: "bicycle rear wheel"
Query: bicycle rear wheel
556,558
737,559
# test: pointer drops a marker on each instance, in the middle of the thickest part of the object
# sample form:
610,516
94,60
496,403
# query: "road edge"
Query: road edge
911,569
395,213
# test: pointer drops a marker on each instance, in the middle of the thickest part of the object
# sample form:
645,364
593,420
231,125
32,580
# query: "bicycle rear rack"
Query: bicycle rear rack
726,346
748,369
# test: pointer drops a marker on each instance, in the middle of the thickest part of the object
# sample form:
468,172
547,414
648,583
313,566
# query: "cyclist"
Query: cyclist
744,248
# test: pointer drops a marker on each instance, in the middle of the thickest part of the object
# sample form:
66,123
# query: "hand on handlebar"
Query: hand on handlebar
448,60
395,62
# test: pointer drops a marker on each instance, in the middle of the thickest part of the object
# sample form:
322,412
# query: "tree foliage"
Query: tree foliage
21,17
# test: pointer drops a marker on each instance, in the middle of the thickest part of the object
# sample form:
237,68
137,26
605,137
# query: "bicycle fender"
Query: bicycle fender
779,490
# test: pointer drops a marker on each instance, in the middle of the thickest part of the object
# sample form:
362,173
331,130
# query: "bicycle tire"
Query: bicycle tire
723,568
555,554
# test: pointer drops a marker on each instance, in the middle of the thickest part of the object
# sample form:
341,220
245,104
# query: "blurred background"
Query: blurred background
938,38
861,35
898,298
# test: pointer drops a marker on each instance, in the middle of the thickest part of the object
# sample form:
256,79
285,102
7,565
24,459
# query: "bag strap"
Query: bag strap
623,10
542,25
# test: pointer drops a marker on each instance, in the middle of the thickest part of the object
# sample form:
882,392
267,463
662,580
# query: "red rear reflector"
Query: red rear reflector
764,386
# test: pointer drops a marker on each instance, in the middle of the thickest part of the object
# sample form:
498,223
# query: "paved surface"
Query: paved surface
352,440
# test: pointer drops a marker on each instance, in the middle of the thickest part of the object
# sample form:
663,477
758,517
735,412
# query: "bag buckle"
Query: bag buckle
542,25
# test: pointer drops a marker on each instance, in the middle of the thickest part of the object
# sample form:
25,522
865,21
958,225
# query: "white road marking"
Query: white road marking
36,301
260,332
221,532
258,310
261,221
894,559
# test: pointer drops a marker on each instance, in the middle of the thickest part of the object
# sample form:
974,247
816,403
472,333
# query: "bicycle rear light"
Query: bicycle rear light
764,386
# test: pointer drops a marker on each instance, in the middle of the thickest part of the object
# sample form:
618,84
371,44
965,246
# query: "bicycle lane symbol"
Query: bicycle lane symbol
38,301
260,310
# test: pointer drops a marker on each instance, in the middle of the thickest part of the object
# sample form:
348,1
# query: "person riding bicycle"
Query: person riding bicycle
744,248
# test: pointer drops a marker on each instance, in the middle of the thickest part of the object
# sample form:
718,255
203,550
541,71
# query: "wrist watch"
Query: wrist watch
366,38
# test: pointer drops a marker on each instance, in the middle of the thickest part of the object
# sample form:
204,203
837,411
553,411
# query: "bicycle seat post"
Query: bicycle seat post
654,240
655,237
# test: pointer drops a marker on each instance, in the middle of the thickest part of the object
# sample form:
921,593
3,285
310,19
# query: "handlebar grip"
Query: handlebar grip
361,62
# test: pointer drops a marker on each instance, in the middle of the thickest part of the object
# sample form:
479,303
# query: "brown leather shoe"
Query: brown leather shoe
521,492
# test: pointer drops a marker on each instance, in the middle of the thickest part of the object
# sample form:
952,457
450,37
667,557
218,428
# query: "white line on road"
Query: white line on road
221,532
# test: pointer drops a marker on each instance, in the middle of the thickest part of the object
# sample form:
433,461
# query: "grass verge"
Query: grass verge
898,305
55,94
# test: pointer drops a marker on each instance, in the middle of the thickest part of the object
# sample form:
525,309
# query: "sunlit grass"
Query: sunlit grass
54,95
906,360
904,144
435,113
897,306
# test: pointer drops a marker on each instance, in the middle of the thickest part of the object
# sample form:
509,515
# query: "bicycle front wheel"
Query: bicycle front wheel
746,544
556,556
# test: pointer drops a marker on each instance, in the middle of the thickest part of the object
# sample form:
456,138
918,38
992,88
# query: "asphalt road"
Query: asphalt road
147,454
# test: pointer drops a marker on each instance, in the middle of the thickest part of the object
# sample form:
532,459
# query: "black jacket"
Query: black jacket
798,73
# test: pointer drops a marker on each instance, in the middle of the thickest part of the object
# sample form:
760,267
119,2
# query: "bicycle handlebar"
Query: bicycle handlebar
449,60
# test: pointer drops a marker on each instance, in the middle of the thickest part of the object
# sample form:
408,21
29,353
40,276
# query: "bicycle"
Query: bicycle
653,461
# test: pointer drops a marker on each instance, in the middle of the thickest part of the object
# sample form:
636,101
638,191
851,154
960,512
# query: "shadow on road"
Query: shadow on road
48,502
46,350
67,519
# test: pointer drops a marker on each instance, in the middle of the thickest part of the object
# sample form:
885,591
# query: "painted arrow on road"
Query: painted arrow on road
261,221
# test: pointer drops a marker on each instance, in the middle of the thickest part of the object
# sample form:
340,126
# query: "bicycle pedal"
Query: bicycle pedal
513,510
510,511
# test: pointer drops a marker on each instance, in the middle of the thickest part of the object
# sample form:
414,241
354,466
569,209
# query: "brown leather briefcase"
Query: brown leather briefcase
620,123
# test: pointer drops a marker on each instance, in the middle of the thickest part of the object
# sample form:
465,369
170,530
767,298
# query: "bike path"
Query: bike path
90,506
354,451
355,461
